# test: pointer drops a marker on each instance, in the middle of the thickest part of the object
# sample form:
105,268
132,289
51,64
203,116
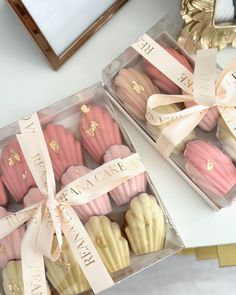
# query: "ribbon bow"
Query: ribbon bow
201,87
55,215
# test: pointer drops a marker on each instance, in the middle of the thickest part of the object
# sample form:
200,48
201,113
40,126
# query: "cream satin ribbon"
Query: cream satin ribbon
55,214
200,87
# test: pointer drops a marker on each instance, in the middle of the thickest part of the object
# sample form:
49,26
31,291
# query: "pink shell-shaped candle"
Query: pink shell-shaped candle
161,80
99,206
32,197
10,246
209,121
98,131
15,171
132,187
209,168
64,149
3,195
134,89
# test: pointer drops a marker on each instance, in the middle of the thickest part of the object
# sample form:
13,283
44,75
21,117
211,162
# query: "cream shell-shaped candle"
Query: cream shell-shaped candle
12,279
134,88
156,130
109,242
98,131
145,225
64,149
127,190
65,274
227,139
10,245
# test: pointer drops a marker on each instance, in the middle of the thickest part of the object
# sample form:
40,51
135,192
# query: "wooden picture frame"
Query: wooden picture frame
58,60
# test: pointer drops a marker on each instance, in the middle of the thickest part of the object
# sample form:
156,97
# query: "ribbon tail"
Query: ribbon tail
47,229
176,131
32,261
229,116
12,221
156,101
84,251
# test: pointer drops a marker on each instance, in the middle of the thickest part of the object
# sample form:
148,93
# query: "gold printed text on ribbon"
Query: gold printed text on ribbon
91,180
78,239
144,45
165,62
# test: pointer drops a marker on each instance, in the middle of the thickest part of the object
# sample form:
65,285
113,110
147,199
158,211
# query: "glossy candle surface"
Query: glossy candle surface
10,246
127,190
162,81
98,131
134,88
64,149
209,167
99,206
15,171
145,227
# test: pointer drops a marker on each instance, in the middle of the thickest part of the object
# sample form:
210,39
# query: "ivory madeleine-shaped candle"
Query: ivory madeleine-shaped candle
109,242
145,225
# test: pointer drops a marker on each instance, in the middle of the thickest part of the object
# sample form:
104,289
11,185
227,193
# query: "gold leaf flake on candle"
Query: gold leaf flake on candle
13,287
2,248
54,146
92,128
14,157
77,171
146,223
99,243
84,109
209,165
137,87
62,261
24,175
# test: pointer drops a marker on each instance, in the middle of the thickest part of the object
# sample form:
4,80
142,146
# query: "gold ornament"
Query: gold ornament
198,31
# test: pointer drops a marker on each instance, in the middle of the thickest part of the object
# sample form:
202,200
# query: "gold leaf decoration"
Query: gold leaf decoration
198,16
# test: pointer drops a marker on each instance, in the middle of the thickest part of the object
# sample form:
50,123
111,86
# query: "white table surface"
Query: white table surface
28,83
